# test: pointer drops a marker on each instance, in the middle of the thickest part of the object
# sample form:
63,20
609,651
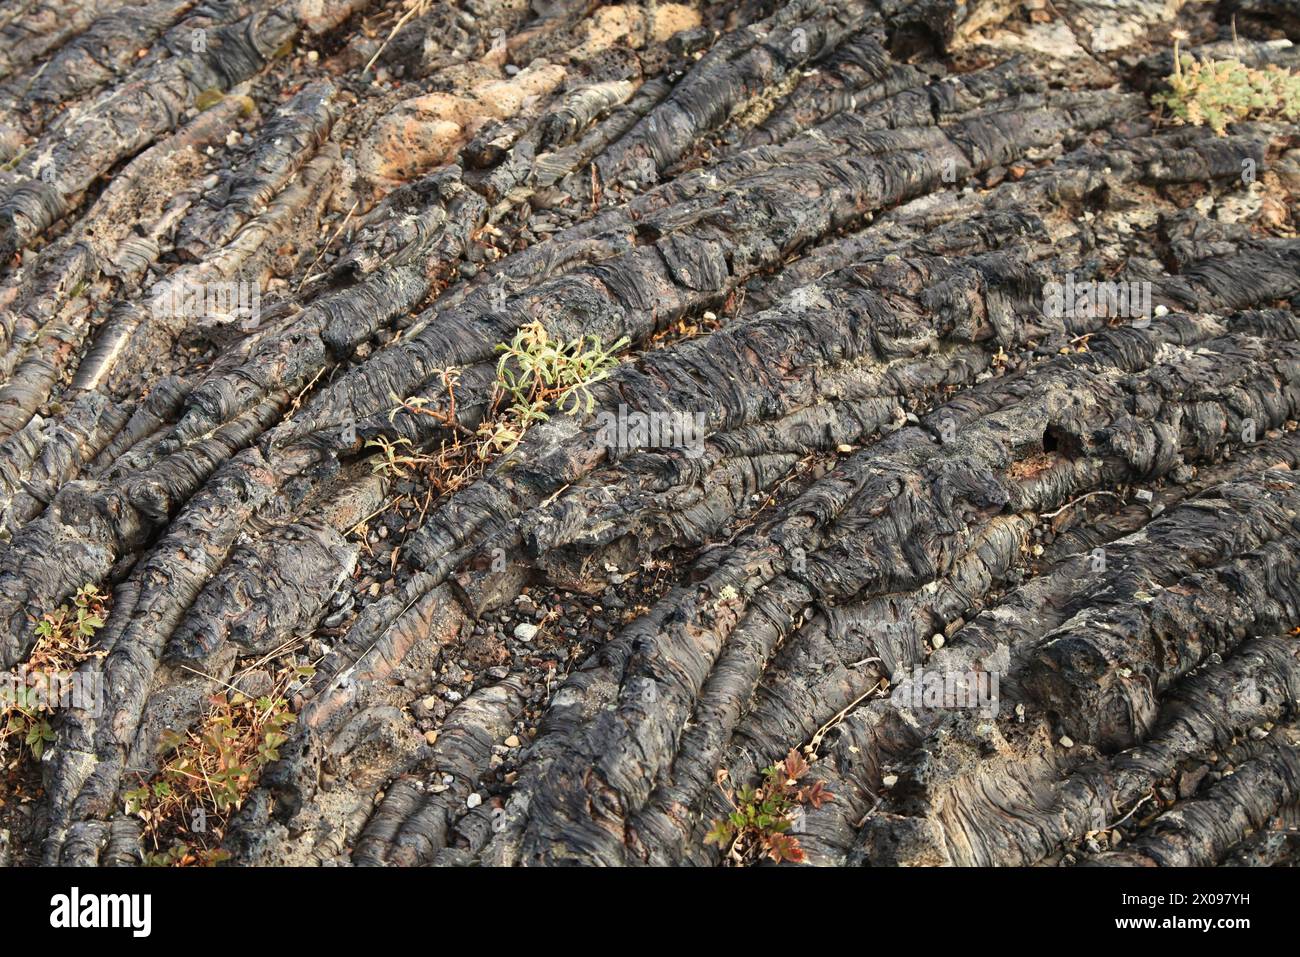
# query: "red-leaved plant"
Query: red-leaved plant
763,817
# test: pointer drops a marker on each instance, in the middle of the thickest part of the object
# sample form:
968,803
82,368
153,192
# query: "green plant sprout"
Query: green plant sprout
1216,93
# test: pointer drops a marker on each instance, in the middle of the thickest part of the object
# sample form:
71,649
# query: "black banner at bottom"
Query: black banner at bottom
145,906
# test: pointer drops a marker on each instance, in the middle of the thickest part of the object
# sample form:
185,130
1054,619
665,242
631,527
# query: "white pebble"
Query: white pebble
525,631
473,801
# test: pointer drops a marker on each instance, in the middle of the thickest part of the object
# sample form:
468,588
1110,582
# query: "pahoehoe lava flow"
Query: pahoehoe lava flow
500,432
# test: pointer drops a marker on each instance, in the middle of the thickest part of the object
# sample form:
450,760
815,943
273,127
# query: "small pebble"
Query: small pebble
336,619
1189,781
936,642
1066,742
525,631
473,801
431,737
512,741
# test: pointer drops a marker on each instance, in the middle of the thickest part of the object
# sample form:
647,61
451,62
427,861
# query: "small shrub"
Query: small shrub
392,461
762,817
64,639
206,773
534,373
1216,93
